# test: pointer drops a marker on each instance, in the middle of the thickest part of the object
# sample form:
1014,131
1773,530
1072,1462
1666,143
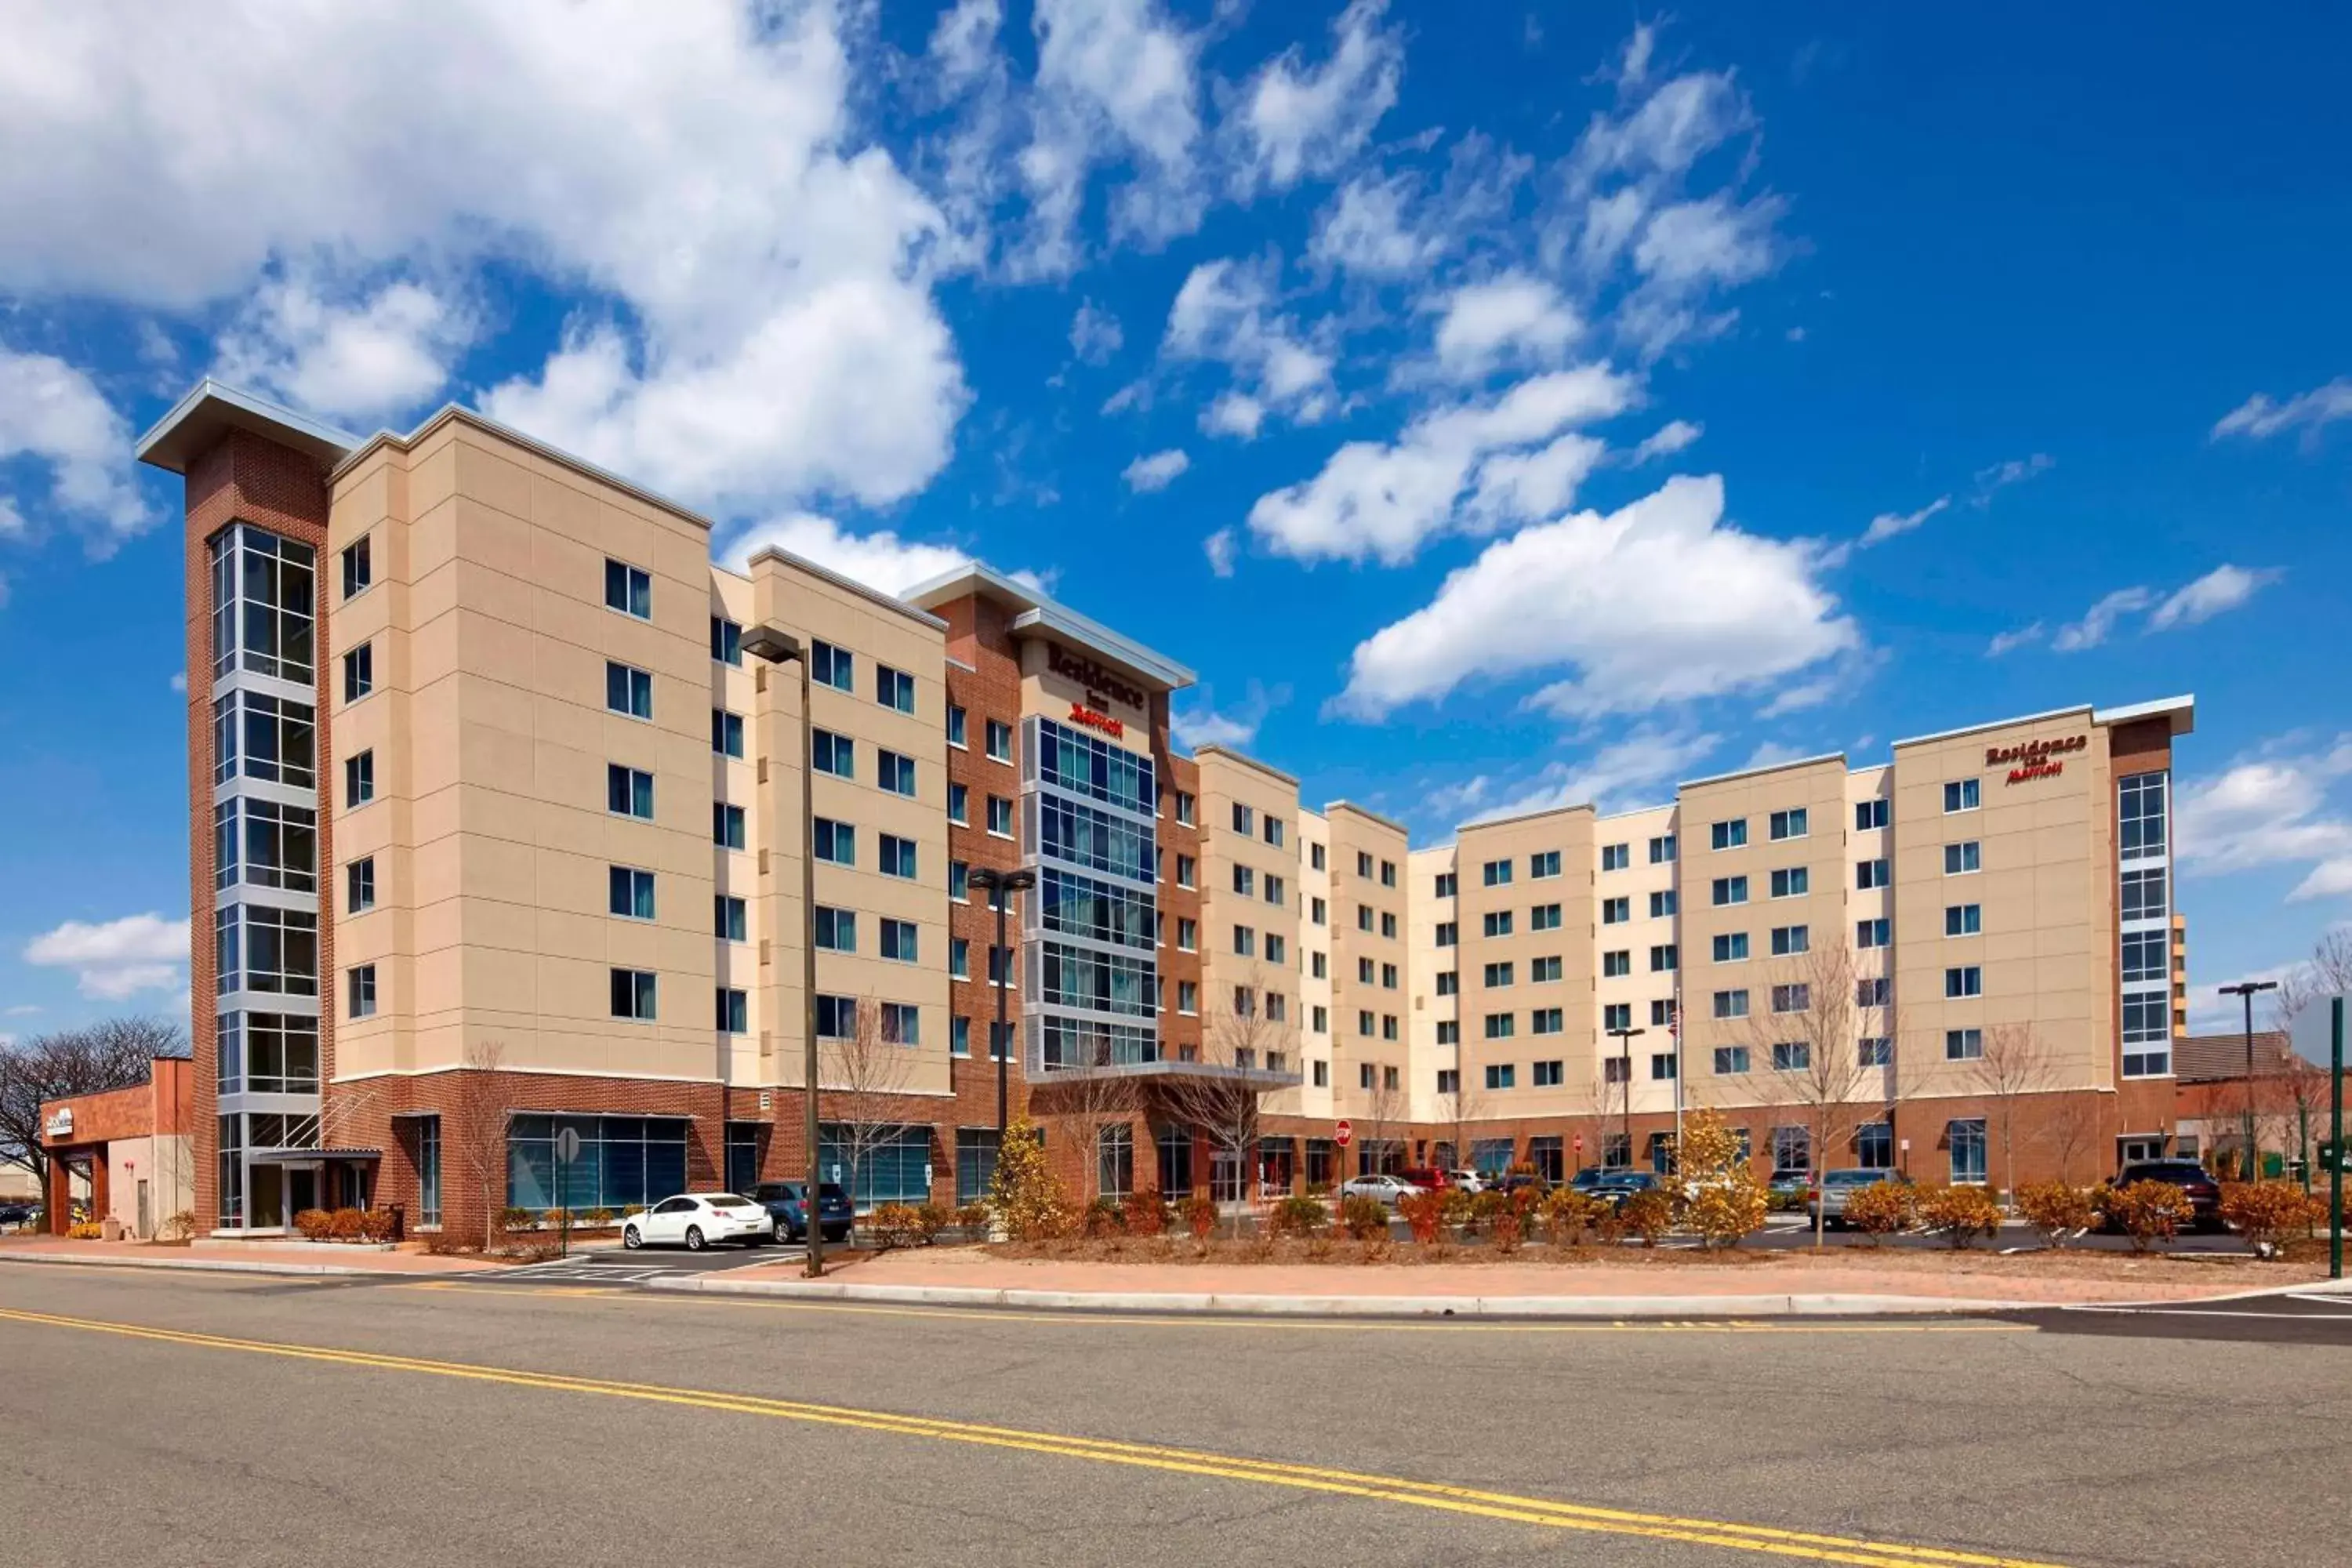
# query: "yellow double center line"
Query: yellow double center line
1800,1544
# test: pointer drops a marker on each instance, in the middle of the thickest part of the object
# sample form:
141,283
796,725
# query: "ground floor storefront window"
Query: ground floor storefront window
743,1140
1547,1156
1115,1160
975,1163
1873,1146
1278,1166
1175,1162
626,1161
1967,1141
1491,1156
877,1165
426,1133
1380,1156
1321,1162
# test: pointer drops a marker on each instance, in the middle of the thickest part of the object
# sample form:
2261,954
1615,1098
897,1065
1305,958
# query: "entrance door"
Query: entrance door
301,1190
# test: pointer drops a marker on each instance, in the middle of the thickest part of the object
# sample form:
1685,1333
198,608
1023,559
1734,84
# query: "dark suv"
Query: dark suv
783,1202
2204,1192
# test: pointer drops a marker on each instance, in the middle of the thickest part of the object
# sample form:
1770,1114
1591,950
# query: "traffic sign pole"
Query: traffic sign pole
2336,1135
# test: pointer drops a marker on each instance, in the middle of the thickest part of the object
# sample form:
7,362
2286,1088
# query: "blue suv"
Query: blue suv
783,1202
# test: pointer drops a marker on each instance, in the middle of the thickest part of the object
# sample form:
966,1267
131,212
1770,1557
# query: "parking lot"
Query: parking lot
608,1263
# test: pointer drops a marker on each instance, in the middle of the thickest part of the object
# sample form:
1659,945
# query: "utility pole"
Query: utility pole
2245,990
999,886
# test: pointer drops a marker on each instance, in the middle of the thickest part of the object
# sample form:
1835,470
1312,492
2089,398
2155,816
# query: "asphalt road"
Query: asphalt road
185,1419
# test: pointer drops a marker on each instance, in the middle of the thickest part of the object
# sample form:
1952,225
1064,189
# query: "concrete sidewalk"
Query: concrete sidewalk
235,1257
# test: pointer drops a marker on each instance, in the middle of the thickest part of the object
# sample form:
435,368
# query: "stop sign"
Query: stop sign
1345,1133
1580,1142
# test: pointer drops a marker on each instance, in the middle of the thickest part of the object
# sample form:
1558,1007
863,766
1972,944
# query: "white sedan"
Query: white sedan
697,1220
1389,1190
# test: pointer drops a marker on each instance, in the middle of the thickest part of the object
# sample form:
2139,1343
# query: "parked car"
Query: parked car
1615,1187
783,1202
1389,1190
1789,1189
1428,1178
2204,1192
1825,1205
1590,1177
697,1220
18,1213
1470,1181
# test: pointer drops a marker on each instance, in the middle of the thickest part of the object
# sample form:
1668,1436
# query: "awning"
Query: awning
304,1156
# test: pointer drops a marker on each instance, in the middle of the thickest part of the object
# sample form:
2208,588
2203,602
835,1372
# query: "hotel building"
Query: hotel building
479,732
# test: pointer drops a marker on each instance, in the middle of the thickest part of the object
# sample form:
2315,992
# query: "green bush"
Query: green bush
1364,1218
1297,1216
1569,1217
1648,1215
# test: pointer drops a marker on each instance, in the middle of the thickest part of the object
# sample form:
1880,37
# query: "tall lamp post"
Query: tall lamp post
2245,990
1625,1038
777,646
999,886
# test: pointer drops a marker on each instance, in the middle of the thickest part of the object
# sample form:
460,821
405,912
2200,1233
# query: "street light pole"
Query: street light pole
1625,1038
999,885
2245,990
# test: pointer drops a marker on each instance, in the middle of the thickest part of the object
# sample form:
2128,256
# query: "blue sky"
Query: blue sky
1496,405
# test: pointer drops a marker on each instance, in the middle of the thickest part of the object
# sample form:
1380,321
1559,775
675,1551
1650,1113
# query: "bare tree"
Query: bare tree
2075,1129
1225,1098
473,1128
1806,1039
865,1077
1384,1107
1459,1112
1081,1098
114,1054
2014,1064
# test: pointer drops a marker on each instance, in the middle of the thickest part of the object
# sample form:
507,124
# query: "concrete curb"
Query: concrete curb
1204,1302
206,1265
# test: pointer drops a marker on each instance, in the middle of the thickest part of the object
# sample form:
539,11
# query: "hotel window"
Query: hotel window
1731,1003
1616,857
734,1012
1388,925
265,738
1730,890
1495,873
1662,1013
363,991
902,1024
893,688
959,727
265,845
1449,1032
1661,850
2146,955
1318,964
630,893
833,666
1730,946
359,567
1188,934
1364,1075
1273,831
1449,982
2141,814
1322,1020
1500,1075
899,940
359,672
1792,1056
1498,922
1388,1026
960,1045
1388,976
1244,881
1447,931
999,964
960,805
632,994
1874,991
1662,904
1544,863
1616,1069
1613,911
1663,1066
1729,835
628,792
2148,1035
1794,998
1963,920
628,690
895,856
1869,874
1319,912
1617,1016
1244,819
1544,970
1876,1051
1499,974
1966,1138
1388,874
1961,795
257,948
1315,857
1188,998
1550,1074
835,841
1960,859
1791,883
1363,865
837,1018
726,641
1789,940
1186,808
360,884
1000,741
1869,815
727,832
958,879
1876,932
1545,1021
628,589
1964,980
893,773
1664,956
1390,1077
834,754
1501,1025
261,588
1788,823
1617,962
1276,949
2143,895
359,779
1364,1023
729,919
1444,884
1730,1059
1184,872
1244,941
959,958
726,733
1364,917
999,818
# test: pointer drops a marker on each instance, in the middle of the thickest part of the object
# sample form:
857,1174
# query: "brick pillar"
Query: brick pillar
57,1205
102,1192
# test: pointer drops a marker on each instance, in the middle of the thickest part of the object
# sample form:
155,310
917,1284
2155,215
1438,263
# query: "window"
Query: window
1364,1075
959,727
1616,962
1000,816
1388,874
362,979
1545,971
358,671
1960,859
1963,920
1319,912
1184,870
1868,873
262,591
2148,1034
266,739
628,589
1548,1074
1544,863
632,994
631,892
1273,831
1449,1032
1501,1075
895,856
1791,883
1873,1146
1616,857
1501,1025
726,826
2146,955
1445,885
1244,881
359,779
1188,998
1874,991
1188,934
1613,911
1495,873
257,948
1661,850
628,792
1792,1149
628,690
359,566
1388,925
1000,741
1792,1056
1731,1003
1964,980
1448,983
1878,1051
1315,857
1663,1066
1966,1138
1729,835
727,917
1788,823
1730,1059
1498,922
898,941
1546,917
1496,976
1730,947
359,883
1789,940
831,666
734,1012
1869,815
960,805
1662,904
1244,819
1186,808
1730,890
1545,1021
1963,1045
835,841
2140,816
726,641
1363,865
1245,942
1662,1013
1447,933
894,773
1364,917
2144,895
1318,964
1795,997
265,845
1617,1016
902,1024
1388,976
1322,1020
1276,950
1663,957
959,880
726,733
837,1018
893,688
1616,1069
1961,795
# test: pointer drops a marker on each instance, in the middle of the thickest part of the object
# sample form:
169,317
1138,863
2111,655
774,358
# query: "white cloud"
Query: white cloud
2270,810
2260,418
880,559
1381,501
2009,642
2224,588
53,413
2001,476
180,681
1113,76
118,958
1155,472
1095,333
1889,525
1364,230
1299,121
1226,313
2100,619
367,359
1235,414
1385,227
1581,594
1770,754
1714,240
1202,724
1221,548
1512,320
1672,436
1623,776
963,42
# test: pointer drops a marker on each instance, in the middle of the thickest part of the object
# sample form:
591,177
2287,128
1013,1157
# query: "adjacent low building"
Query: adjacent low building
128,1156
499,785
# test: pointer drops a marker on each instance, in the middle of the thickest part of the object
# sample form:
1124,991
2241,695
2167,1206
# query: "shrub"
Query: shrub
1506,1230
1961,1213
2264,1212
2056,1210
447,1243
973,1217
1365,1219
1881,1209
315,1225
2147,1210
345,1224
379,1225
1201,1216
1024,1193
177,1228
599,1217
1648,1215
894,1224
930,1219
1105,1217
1727,1202
1488,1207
1569,1218
1455,1207
1298,1216
90,1230
517,1219
1423,1212
1147,1212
